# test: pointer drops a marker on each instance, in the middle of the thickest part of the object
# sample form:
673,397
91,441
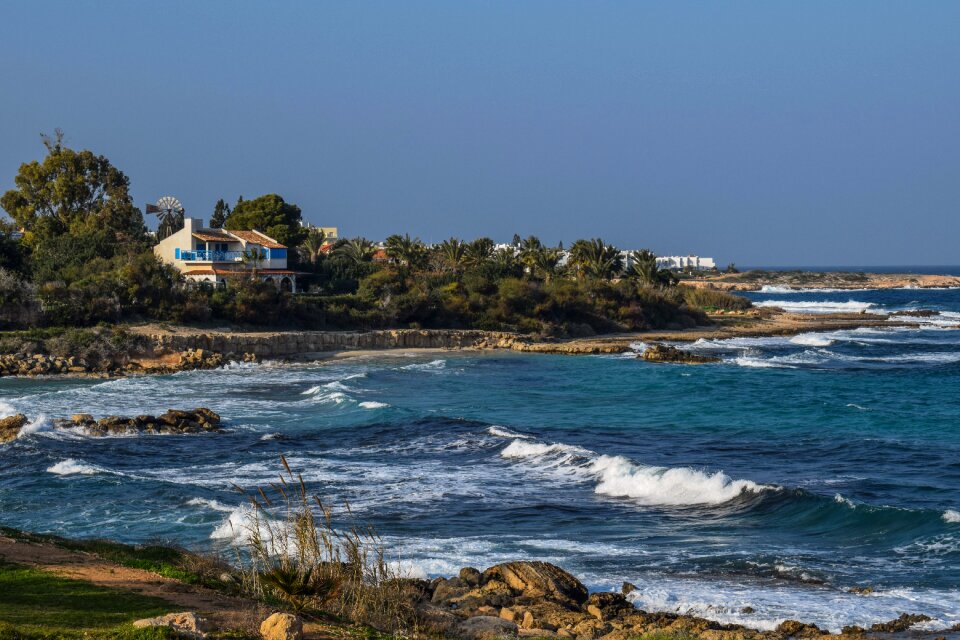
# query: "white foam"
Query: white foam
240,526
850,306
812,340
433,365
952,516
210,504
503,432
759,363
37,425
617,476
71,467
7,409
371,404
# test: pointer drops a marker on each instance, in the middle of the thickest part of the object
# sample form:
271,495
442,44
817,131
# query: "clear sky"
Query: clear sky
787,133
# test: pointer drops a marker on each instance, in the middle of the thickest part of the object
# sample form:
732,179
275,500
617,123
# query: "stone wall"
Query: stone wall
289,343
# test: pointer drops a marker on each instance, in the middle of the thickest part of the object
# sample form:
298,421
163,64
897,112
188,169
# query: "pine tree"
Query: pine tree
220,212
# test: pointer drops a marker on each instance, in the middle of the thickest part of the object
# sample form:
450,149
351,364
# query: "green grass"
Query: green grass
163,560
36,605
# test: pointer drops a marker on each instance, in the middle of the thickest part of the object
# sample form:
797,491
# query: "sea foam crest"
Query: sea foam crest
70,467
618,476
812,340
824,306
952,516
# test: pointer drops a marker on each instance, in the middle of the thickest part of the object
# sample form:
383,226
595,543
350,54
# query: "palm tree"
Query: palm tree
409,252
478,253
596,259
252,257
546,262
505,260
644,267
312,246
356,250
453,252
529,248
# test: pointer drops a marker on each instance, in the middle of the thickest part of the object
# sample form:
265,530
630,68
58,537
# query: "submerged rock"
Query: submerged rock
199,420
666,353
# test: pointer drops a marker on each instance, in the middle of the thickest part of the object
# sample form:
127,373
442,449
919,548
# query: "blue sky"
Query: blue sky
756,132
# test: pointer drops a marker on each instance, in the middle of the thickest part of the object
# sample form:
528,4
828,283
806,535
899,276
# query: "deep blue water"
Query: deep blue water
796,469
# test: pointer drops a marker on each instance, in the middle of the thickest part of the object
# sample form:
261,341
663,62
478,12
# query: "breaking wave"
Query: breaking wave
850,306
617,476
71,467
952,516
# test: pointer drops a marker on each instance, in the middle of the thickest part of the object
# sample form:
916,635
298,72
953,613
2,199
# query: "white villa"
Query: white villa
681,263
213,256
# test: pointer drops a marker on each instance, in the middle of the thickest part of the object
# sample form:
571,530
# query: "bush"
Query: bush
711,299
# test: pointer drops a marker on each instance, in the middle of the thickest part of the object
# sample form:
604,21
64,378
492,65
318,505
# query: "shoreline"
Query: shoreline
804,280
170,349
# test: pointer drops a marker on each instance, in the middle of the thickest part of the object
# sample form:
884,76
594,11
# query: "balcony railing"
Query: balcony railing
211,256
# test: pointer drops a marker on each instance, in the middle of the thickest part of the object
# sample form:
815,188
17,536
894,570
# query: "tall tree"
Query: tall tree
271,215
73,192
221,211
479,252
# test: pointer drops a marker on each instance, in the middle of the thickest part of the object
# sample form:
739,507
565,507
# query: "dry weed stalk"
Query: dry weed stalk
287,551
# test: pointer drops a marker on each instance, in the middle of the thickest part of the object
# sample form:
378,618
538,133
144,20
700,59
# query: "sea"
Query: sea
773,485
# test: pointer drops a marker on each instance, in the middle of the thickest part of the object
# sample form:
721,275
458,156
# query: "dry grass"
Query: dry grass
291,551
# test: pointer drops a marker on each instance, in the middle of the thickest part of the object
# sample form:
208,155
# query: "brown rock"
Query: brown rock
470,576
81,418
186,624
796,628
666,353
606,605
904,622
281,626
486,628
537,580
10,427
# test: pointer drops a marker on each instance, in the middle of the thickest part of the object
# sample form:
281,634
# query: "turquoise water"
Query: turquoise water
796,469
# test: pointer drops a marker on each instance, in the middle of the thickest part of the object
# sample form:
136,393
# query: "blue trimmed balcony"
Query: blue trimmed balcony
201,255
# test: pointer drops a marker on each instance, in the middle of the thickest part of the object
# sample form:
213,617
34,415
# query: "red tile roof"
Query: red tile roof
256,237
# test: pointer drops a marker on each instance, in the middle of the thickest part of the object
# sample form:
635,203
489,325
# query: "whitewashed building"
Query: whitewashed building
213,256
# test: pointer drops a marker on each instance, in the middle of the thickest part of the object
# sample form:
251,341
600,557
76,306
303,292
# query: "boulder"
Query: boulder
606,605
666,353
10,427
470,576
282,626
796,628
486,628
537,580
186,624
903,623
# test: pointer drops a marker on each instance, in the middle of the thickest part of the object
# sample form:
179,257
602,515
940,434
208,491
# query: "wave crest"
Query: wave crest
620,477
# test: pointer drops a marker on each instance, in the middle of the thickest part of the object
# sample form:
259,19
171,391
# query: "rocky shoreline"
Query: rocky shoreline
757,280
160,350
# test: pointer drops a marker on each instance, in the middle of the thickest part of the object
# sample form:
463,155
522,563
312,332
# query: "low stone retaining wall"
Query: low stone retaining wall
291,343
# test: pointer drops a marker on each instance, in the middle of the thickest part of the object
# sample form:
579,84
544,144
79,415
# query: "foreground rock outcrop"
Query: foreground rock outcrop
666,353
174,421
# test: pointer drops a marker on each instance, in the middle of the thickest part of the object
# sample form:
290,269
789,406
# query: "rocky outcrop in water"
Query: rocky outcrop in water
200,420
10,427
666,353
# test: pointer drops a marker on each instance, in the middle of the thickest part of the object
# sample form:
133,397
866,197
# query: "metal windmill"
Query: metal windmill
170,212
